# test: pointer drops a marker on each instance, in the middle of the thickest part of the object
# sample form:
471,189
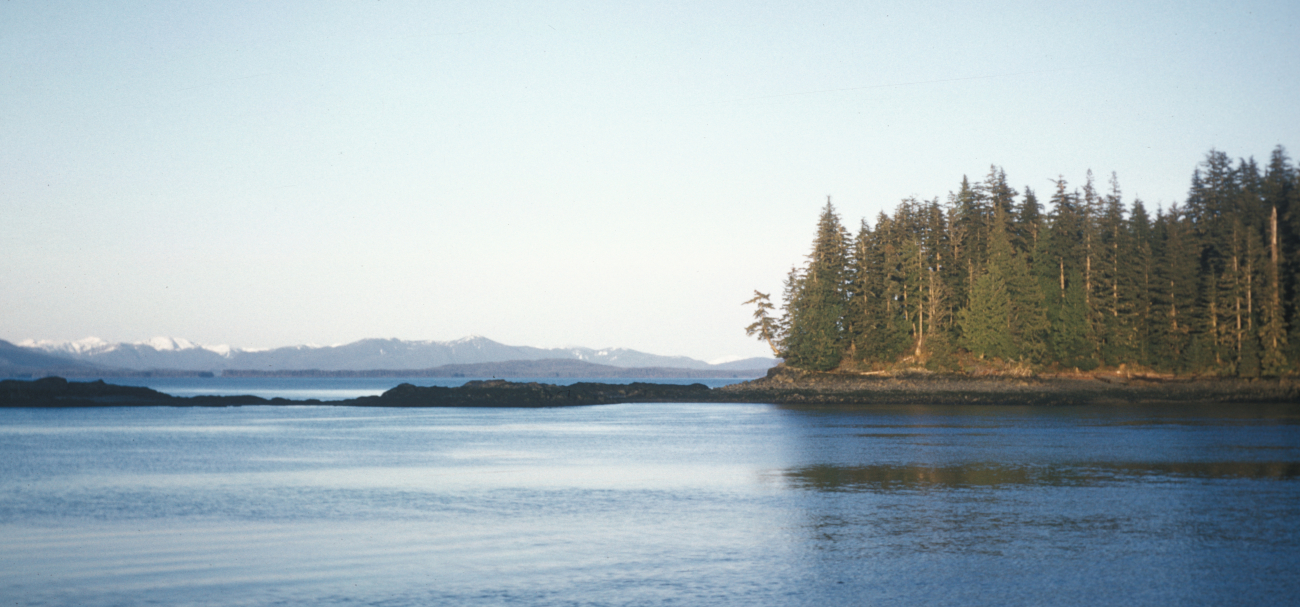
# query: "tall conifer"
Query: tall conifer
814,339
1111,320
1137,276
1212,286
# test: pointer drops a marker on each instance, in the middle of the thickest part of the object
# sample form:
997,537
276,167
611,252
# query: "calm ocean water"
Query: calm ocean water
650,504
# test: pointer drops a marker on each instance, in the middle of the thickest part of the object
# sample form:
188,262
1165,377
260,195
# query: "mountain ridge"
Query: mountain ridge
541,368
388,354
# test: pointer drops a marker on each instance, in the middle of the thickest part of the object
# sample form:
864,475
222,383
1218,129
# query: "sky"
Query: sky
560,173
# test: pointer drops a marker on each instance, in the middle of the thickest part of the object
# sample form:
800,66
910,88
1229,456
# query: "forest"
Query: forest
994,277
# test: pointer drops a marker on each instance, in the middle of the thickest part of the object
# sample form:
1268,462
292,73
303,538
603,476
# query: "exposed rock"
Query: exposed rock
501,393
59,392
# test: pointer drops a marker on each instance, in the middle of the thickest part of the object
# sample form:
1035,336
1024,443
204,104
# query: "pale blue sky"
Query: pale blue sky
559,173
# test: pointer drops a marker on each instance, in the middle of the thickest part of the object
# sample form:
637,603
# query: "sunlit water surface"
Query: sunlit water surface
652,504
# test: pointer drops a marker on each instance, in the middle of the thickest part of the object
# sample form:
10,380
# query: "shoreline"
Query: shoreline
781,386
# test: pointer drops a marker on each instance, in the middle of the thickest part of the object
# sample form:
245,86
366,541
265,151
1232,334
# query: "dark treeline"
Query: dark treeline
1079,280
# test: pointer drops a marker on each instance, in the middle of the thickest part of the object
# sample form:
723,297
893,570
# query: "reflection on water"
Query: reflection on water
650,504
978,474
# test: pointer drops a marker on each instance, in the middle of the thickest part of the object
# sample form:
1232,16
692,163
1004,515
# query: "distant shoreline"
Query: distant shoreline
781,386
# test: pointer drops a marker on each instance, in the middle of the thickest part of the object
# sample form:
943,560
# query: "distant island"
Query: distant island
782,386
993,282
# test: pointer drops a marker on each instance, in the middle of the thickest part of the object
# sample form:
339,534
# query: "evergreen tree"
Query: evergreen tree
871,328
1071,337
1000,199
1211,201
1174,292
1028,221
984,322
1226,303
1272,332
1048,270
884,336
1280,193
764,326
1091,208
857,313
1112,305
1005,318
1136,280
1027,325
937,347
1249,358
1212,286
967,232
1293,256
792,305
1060,268
814,337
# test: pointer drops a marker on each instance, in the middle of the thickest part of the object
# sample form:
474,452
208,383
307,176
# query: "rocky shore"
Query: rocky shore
58,392
781,385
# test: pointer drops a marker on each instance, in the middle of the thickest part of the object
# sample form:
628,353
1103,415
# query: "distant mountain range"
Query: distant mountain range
540,369
162,353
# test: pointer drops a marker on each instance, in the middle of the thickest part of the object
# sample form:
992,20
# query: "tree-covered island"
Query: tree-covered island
989,298
995,281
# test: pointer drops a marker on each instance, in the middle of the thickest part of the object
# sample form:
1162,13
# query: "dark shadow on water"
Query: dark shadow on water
895,478
993,416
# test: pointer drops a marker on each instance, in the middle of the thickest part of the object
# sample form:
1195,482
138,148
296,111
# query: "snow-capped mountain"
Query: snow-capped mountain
172,353
156,353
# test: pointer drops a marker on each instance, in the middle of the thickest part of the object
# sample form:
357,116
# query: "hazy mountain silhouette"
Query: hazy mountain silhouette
366,354
17,360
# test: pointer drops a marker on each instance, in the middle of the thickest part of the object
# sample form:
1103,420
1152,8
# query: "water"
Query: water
344,388
650,504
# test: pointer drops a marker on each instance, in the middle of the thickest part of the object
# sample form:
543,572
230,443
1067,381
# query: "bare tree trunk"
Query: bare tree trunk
1275,310
1236,297
920,301
1060,261
1114,274
1250,294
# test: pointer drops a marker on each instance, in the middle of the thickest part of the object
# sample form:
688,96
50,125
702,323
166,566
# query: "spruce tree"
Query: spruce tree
984,323
1000,197
1279,194
967,233
1272,333
938,346
1060,264
1027,324
1136,279
1211,201
886,335
1028,222
1175,293
1212,286
814,337
1112,319
1072,342
1091,208
764,326
856,314
1048,272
